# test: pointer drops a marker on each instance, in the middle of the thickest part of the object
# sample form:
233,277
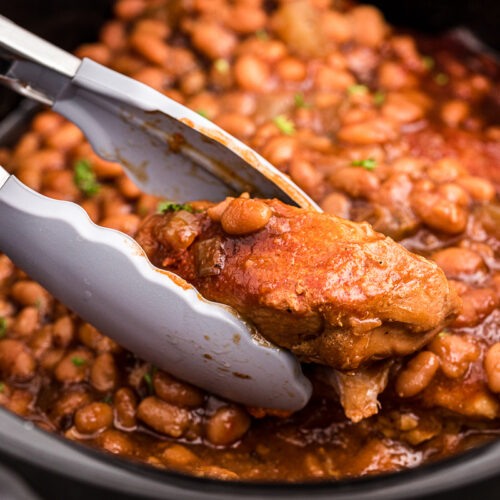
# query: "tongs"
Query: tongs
103,275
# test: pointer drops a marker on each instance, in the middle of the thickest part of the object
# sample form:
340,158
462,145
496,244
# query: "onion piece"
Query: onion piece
209,257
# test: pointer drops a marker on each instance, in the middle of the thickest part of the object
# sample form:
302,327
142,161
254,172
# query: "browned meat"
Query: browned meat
357,390
330,290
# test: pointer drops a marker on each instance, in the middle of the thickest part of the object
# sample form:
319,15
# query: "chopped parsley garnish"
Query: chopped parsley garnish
285,125
170,206
222,66
378,98
77,361
428,62
107,400
300,102
357,89
441,78
262,34
2,387
148,377
38,303
369,163
85,178
3,327
444,333
202,112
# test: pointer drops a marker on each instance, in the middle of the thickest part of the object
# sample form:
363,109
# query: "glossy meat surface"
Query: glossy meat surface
332,291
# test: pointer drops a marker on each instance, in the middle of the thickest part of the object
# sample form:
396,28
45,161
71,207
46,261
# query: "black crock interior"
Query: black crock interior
71,23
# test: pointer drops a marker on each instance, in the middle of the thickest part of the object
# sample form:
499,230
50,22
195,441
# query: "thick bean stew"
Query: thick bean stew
376,125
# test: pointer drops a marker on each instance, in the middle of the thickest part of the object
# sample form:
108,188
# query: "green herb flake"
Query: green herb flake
85,178
222,66
357,89
3,327
262,34
170,206
38,303
378,98
300,101
77,361
107,400
428,62
2,387
443,334
368,164
285,125
203,113
441,79
149,380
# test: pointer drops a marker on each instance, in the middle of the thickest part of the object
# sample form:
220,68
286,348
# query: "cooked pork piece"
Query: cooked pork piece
332,291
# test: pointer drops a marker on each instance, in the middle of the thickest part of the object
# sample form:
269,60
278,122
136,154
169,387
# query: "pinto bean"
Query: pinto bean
93,418
104,374
214,40
246,18
456,261
98,52
94,339
306,177
439,213
15,360
355,181
26,322
245,216
374,131
445,170
150,47
125,403
336,204
252,73
44,159
332,79
46,122
67,136
154,77
154,27
479,189
41,341
175,392
113,35
454,112
32,177
417,375
236,124
178,456
128,9
368,25
455,353
163,417
336,26
116,442
28,144
64,331
492,367
227,425
291,69
126,223
477,304
454,193
280,150
73,367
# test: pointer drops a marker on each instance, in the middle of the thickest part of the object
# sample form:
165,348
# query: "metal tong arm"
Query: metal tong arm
22,53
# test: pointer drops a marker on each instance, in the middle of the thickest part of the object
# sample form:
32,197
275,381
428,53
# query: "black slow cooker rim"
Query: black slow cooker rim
480,463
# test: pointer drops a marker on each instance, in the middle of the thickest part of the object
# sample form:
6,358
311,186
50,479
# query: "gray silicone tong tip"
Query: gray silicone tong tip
103,275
